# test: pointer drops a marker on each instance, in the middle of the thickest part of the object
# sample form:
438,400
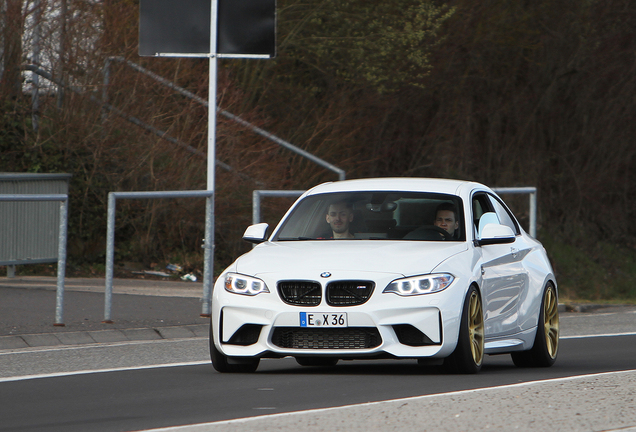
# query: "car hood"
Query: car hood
405,258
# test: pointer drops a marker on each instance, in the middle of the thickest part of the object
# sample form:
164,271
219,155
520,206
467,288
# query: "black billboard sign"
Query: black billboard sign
245,28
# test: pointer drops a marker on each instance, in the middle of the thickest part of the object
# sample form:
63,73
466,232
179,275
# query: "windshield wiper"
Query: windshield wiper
295,238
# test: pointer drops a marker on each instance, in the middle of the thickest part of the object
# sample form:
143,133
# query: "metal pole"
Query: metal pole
61,264
110,257
208,259
256,207
208,276
533,214
212,99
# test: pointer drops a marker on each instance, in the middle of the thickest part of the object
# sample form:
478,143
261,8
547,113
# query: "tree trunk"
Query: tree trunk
10,83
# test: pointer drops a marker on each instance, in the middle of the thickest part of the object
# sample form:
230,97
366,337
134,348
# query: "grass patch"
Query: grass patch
592,271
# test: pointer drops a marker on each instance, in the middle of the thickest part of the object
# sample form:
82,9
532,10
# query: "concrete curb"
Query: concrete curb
102,336
149,287
587,308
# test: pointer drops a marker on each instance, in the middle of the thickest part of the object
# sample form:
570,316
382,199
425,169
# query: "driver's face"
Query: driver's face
446,220
339,217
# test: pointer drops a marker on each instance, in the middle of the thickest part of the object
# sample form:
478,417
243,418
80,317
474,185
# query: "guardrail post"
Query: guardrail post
208,269
256,207
61,264
208,257
110,257
533,214
61,246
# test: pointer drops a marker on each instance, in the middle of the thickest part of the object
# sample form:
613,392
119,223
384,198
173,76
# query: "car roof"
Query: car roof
395,184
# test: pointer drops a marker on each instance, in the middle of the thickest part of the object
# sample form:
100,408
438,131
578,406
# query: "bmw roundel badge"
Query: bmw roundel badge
325,274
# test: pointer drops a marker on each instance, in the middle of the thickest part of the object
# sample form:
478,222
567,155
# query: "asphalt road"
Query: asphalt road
119,387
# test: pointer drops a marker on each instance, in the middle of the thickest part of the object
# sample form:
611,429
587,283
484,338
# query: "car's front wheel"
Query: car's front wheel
546,343
223,363
469,353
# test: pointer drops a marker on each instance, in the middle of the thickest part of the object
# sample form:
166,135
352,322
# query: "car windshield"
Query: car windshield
413,216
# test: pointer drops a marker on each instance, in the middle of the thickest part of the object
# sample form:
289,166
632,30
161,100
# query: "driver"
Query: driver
446,218
339,217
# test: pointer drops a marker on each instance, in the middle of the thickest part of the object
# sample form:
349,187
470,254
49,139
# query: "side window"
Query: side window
504,214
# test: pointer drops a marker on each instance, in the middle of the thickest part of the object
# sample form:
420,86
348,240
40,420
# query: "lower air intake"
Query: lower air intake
338,338
411,336
247,335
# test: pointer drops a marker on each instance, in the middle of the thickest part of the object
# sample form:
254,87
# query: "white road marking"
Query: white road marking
201,426
598,335
594,315
85,372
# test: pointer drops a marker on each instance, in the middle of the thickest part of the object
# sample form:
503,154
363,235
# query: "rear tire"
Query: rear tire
469,353
225,364
316,361
546,343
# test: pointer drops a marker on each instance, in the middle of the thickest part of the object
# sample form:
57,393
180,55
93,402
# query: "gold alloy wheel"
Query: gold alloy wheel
476,328
551,321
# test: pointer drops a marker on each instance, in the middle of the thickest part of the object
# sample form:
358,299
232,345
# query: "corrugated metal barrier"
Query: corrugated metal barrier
33,224
29,230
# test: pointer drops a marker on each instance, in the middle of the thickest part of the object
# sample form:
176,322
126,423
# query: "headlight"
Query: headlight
418,285
246,285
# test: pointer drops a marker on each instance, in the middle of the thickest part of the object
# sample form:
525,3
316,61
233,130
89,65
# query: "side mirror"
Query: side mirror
496,234
256,233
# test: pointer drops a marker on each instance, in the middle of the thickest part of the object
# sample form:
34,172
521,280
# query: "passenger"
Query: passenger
446,218
339,217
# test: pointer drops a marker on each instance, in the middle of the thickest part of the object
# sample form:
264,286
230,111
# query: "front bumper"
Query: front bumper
385,326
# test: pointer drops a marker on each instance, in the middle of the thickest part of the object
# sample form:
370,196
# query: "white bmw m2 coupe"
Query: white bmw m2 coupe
439,271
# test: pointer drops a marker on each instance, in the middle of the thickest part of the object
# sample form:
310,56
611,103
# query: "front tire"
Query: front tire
546,343
469,353
225,364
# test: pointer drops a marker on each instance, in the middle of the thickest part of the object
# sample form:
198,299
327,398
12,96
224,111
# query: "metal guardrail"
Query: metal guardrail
137,122
29,230
532,191
258,194
110,242
62,236
281,142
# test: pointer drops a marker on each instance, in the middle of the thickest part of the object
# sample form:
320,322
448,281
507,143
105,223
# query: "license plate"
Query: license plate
323,319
